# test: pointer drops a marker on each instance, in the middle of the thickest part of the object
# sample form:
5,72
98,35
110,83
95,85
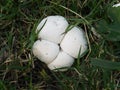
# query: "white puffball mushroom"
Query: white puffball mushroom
52,28
61,61
116,5
56,48
45,51
74,41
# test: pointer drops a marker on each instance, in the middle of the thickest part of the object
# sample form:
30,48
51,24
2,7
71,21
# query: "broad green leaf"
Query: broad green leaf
114,13
106,64
110,30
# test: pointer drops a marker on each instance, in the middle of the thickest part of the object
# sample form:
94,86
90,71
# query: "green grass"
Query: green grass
99,69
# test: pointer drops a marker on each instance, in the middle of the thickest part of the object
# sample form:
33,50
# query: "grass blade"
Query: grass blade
106,64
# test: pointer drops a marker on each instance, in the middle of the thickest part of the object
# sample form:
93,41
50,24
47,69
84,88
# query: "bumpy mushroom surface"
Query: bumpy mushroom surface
45,51
74,41
61,61
52,28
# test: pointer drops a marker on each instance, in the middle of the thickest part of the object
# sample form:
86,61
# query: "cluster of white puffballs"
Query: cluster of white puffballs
55,47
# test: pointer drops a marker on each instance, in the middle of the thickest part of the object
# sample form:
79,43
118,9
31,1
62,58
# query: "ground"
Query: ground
98,69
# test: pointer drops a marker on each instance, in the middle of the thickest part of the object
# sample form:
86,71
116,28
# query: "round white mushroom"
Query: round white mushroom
74,42
51,31
63,61
116,5
52,28
45,51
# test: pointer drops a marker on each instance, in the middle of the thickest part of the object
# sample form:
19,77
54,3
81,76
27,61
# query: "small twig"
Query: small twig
89,46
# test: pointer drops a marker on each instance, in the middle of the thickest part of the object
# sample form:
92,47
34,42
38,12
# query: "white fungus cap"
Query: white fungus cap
116,5
53,28
74,41
62,60
51,31
45,51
